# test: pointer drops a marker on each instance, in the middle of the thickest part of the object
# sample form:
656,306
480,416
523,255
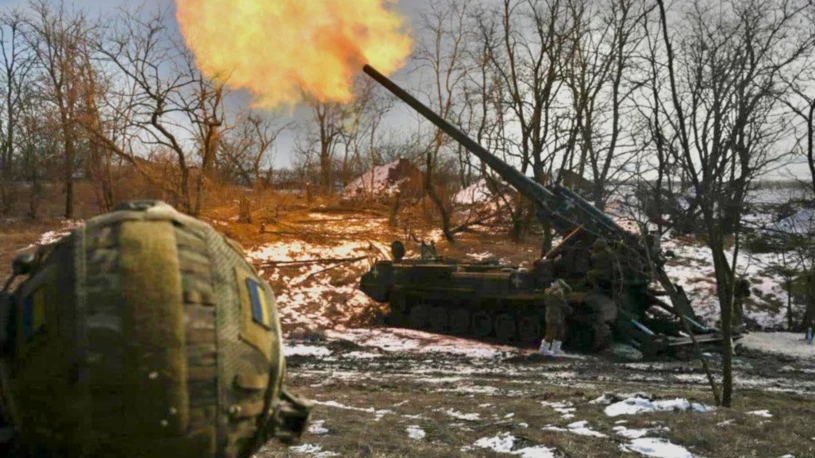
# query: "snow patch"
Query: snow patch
312,450
581,428
637,433
761,413
415,432
311,298
305,350
374,181
317,428
50,237
659,448
378,414
779,343
461,415
477,193
637,405
408,340
565,409
504,443
630,433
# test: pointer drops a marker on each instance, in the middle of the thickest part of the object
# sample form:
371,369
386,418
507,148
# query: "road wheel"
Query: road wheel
419,316
529,328
460,321
505,329
482,324
396,312
439,319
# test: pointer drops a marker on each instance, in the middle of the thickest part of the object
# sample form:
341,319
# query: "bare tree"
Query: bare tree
599,76
725,79
57,38
163,103
16,66
329,119
361,133
441,55
801,101
528,42
247,152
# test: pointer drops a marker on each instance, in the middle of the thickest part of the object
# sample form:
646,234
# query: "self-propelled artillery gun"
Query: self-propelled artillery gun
617,276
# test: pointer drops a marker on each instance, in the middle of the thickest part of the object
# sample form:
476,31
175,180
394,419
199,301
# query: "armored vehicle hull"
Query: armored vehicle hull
484,301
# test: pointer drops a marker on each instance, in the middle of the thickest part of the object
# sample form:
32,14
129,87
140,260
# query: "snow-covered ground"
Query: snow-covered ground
56,235
310,298
408,340
477,193
505,443
692,268
780,343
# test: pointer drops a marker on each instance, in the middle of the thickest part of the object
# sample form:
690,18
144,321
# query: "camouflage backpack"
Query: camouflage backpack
144,334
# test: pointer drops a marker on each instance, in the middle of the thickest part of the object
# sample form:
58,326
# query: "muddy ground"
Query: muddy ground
370,402
381,392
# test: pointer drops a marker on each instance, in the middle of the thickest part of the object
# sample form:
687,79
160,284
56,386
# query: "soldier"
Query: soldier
143,333
601,275
741,292
557,309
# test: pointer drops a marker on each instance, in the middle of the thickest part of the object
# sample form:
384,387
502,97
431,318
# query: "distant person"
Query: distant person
601,274
557,309
740,293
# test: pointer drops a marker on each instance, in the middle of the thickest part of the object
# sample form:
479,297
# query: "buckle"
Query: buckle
290,417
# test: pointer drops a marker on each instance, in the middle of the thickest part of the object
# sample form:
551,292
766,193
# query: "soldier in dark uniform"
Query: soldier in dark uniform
601,275
557,310
740,292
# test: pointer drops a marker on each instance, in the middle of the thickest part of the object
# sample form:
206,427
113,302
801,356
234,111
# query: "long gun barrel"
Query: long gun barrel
533,190
556,203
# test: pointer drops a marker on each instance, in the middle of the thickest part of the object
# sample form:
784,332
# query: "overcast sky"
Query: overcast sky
401,116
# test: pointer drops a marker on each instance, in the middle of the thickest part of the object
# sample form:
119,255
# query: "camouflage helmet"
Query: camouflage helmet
144,333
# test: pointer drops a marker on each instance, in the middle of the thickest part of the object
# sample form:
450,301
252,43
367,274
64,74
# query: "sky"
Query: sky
400,116
409,8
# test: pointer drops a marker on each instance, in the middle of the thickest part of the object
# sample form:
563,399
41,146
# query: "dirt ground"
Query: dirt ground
368,400
383,392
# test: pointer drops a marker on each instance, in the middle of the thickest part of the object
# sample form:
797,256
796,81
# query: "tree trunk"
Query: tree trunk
788,282
811,143
434,197
724,290
325,168
809,315
69,175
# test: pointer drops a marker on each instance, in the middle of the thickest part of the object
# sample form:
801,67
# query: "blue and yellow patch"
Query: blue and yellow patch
260,303
33,313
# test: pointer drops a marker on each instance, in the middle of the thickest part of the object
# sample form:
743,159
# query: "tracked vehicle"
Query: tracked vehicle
505,303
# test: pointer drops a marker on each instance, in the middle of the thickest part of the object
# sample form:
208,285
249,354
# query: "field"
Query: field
385,392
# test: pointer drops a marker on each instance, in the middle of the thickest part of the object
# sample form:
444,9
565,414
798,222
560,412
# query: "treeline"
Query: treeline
710,95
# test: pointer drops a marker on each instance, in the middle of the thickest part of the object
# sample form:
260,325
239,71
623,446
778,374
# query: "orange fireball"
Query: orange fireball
280,49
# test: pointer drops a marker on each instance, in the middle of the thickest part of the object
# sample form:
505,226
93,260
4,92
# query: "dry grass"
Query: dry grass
16,235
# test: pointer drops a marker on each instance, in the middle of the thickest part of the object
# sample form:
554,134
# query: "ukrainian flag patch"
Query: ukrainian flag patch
259,302
33,313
